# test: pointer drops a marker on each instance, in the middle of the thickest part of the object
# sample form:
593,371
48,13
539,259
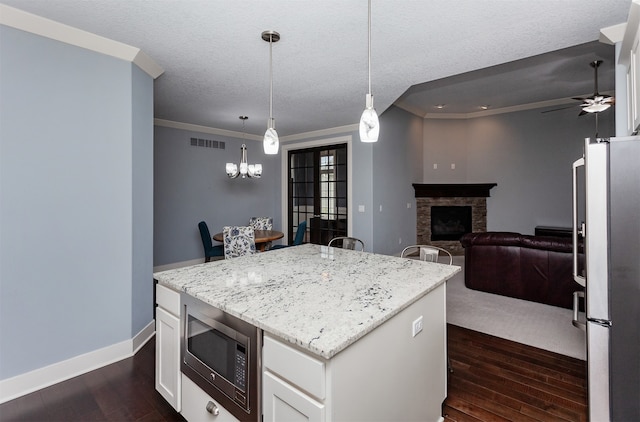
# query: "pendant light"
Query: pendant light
369,124
245,169
271,142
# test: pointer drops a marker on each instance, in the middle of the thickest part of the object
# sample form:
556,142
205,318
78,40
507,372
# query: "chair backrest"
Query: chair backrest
207,244
347,242
261,223
426,252
238,241
300,231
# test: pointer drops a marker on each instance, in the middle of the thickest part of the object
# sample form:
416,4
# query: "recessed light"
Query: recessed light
484,107
440,106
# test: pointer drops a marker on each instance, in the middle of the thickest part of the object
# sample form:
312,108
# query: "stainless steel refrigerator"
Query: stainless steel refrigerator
609,198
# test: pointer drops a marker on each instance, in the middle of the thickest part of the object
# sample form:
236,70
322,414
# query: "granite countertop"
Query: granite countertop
322,299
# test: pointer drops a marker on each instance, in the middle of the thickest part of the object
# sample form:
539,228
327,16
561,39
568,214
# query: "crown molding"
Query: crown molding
612,34
484,113
57,31
224,132
320,133
630,34
205,129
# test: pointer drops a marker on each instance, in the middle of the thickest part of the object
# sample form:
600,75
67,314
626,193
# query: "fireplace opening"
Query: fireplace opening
450,223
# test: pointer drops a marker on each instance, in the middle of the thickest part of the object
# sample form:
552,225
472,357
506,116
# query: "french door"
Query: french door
317,192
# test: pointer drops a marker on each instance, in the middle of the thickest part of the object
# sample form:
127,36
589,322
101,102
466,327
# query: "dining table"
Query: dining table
262,237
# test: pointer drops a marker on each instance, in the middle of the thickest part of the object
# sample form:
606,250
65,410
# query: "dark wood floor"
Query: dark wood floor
498,380
123,391
493,380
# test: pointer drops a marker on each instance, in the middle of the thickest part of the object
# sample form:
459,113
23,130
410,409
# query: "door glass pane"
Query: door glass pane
318,192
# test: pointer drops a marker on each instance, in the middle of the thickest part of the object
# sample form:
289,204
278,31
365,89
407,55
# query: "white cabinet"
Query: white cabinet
630,59
293,384
168,382
388,374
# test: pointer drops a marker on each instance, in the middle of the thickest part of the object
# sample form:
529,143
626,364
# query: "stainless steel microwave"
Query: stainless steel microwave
221,354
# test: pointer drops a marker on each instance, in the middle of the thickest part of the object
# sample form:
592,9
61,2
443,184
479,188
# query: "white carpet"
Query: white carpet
543,326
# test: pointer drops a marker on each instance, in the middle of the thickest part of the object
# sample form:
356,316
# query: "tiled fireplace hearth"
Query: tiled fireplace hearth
472,195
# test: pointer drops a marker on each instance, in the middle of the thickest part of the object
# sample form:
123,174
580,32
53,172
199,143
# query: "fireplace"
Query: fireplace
450,222
456,200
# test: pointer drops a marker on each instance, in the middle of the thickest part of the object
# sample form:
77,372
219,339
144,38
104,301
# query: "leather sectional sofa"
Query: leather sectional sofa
534,268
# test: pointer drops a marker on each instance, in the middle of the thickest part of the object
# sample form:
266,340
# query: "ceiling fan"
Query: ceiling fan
595,103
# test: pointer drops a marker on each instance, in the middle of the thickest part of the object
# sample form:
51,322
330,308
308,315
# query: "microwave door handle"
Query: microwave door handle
574,205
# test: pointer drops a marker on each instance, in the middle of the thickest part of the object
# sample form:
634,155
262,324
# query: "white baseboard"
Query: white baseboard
29,382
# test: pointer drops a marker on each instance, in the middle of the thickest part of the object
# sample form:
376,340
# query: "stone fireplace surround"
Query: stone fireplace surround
449,194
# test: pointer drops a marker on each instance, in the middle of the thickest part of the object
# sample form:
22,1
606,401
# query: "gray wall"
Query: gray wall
142,213
397,160
528,154
72,124
191,185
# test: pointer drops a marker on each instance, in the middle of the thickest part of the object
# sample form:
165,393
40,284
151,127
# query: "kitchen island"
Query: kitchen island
352,314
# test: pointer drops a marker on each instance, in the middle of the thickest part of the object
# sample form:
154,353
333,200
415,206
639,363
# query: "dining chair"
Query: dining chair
210,251
238,241
347,242
261,223
300,231
428,253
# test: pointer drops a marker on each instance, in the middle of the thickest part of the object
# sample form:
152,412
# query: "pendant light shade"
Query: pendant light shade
369,123
271,143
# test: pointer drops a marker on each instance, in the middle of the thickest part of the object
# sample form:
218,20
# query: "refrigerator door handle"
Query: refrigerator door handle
574,205
576,310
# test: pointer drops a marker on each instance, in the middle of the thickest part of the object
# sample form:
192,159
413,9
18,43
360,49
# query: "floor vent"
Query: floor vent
207,143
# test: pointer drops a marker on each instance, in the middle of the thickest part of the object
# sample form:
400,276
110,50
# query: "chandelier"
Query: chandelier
244,169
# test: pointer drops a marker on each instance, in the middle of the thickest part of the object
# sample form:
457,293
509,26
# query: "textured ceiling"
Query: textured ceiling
216,64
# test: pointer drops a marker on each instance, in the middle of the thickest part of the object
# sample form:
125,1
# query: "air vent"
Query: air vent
207,143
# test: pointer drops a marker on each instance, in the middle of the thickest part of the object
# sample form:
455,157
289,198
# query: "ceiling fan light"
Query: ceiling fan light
596,107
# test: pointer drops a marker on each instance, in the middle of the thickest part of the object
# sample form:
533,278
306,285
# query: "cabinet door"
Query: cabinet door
168,357
282,402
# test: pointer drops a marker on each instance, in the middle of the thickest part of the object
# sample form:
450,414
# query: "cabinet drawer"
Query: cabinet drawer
194,404
300,369
168,299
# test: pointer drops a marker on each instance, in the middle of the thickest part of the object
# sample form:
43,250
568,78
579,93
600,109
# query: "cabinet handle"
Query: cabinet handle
213,409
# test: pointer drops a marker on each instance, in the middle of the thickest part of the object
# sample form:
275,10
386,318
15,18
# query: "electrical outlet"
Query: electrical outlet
416,327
